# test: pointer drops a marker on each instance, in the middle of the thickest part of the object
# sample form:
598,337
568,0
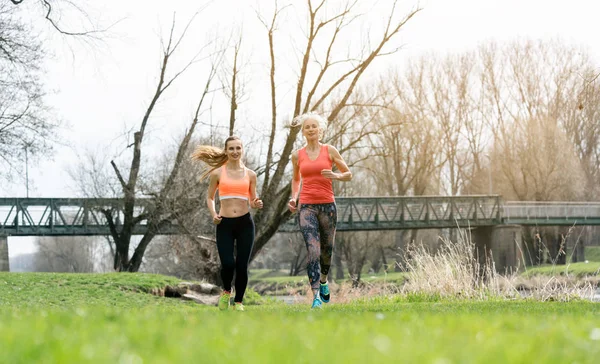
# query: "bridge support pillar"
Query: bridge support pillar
502,244
482,238
507,248
4,266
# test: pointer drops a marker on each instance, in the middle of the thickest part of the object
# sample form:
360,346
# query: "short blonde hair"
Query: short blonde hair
299,120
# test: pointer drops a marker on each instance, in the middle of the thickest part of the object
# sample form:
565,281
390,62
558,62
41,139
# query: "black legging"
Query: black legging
241,230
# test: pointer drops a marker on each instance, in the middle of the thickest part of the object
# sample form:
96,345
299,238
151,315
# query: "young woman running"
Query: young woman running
237,192
312,166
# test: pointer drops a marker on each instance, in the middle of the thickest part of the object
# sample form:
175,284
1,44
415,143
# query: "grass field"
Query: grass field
574,269
110,318
268,275
581,269
592,253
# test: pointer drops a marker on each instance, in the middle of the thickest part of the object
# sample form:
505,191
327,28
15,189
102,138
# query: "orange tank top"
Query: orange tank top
234,188
315,187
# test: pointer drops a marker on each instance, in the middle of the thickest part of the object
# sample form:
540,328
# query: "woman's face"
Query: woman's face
234,149
311,129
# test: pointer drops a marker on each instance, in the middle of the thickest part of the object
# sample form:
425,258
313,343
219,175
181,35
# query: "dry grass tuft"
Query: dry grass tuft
454,272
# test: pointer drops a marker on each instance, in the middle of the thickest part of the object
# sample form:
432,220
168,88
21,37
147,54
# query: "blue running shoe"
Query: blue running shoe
317,303
324,292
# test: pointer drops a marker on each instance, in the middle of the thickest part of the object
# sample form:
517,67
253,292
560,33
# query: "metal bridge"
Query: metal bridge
81,216
427,212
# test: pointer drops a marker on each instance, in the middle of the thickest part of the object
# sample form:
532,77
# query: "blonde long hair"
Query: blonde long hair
213,156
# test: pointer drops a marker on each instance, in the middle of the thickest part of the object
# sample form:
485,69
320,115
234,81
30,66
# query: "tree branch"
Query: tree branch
119,176
183,147
47,4
270,34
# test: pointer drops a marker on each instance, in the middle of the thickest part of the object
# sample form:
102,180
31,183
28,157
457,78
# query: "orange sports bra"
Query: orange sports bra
234,188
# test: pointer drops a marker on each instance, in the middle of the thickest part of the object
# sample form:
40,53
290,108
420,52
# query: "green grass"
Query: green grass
592,253
61,318
391,277
274,276
575,269
281,277
69,290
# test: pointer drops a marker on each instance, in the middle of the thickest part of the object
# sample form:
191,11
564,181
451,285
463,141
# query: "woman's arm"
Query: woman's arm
345,174
213,183
293,203
255,202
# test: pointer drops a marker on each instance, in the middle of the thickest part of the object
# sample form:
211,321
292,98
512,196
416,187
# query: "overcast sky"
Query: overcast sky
102,90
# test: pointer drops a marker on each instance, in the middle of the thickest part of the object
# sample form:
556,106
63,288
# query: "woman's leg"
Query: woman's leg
225,248
245,242
327,223
309,227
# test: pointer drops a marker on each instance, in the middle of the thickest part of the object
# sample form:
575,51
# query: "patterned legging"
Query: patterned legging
317,225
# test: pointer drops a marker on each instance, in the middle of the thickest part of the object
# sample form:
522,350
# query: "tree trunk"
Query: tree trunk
136,259
121,259
275,192
376,263
383,259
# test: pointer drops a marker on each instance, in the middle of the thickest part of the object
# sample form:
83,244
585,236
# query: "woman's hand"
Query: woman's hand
256,203
217,219
292,206
328,173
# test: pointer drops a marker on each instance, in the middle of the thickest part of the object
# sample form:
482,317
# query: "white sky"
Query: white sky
100,92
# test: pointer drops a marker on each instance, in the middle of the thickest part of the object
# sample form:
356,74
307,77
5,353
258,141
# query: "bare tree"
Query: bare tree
580,121
271,28
538,163
409,149
173,194
315,90
357,123
27,124
183,257
54,12
408,145
299,255
360,247
530,90
512,103
512,113
26,127
69,254
532,94
354,252
193,253
233,82
436,95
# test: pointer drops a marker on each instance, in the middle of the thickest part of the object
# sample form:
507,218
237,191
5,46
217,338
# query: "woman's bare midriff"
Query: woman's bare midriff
233,207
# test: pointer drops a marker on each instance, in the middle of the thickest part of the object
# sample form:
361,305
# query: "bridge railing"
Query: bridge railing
62,216
81,216
383,213
551,212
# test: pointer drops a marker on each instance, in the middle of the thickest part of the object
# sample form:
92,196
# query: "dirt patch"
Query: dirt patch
275,289
201,293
